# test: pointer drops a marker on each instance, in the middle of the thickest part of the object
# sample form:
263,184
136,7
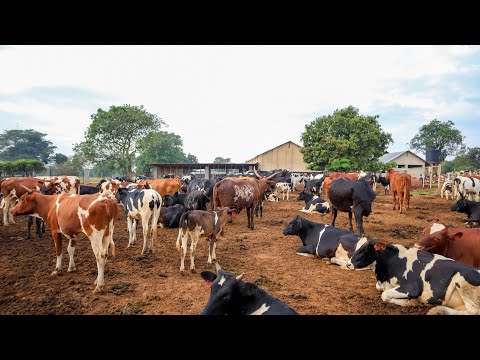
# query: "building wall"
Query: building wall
286,156
408,159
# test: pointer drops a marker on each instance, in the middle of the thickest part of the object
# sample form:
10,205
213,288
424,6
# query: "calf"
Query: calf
177,198
411,276
313,203
471,208
197,223
386,184
351,196
71,215
229,295
282,187
170,216
455,243
446,189
196,200
324,241
140,204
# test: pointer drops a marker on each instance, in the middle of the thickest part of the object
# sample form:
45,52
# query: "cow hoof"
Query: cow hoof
182,272
72,269
98,290
193,271
55,272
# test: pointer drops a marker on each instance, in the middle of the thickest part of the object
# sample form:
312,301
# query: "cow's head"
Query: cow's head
294,226
304,195
26,204
435,239
110,188
228,293
366,255
461,205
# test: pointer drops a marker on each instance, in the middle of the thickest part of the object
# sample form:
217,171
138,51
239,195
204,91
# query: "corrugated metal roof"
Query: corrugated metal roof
392,156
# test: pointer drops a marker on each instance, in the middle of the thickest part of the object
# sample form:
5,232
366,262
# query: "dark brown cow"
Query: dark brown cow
70,215
12,189
197,223
459,244
400,185
165,186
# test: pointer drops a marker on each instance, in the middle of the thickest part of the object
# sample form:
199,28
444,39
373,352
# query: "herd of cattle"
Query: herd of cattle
441,269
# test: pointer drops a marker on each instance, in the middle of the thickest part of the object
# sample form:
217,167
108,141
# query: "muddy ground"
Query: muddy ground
152,284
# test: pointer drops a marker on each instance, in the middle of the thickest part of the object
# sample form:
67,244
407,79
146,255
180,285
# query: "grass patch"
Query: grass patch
419,193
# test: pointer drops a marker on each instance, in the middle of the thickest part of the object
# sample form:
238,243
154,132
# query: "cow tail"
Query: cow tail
473,181
183,224
215,199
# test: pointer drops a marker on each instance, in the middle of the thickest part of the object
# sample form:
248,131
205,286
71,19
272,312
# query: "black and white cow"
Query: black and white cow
196,200
141,204
177,198
314,186
386,184
471,208
409,277
282,188
229,295
296,179
170,216
88,190
313,203
203,184
351,196
324,241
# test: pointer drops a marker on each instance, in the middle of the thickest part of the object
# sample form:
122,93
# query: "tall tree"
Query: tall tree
438,135
344,134
221,160
116,134
469,160
160,147
192,159
60,158
25,144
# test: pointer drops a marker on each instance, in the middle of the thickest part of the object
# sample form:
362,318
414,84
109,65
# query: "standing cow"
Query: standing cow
400,185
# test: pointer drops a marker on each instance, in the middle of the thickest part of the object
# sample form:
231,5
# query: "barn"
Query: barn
407,162
285,156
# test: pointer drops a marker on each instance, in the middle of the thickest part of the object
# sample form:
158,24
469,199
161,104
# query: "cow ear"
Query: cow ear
458,235
208,276
379,246
248,289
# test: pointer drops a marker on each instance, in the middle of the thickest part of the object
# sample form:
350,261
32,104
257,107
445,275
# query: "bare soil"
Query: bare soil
152,284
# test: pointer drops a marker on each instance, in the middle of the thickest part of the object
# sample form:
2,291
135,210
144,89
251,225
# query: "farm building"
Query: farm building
200,170
285,156
407,162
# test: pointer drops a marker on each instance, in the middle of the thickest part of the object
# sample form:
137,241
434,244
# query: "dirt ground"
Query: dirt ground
152,284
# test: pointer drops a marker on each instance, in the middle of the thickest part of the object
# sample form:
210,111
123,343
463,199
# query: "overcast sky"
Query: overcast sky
239,101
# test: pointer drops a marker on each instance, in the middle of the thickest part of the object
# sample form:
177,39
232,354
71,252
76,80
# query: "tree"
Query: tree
438,135
25,144
160,147
221,160
345,134
469,160
60,158
25,167
115,135
339,165
192,159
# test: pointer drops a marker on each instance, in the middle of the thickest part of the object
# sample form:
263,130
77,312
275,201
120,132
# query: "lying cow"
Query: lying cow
170,216
140,204
459,244
197,223
408,277
313,203
471,208
196,200
229,295
324,241
177,198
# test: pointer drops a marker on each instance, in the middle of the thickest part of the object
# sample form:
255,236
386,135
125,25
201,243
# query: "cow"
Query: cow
409,277
88,190
166,186
282,187
197,223
62,184
242,193
471,208
370,178
326,184
296,179
313,203
459,244
229,295
141,204
386,184
400,185
336,175
351,196
109,188
196,200
324,241
170,216
446,190
12,189
70,215
177,198
205,185
467,186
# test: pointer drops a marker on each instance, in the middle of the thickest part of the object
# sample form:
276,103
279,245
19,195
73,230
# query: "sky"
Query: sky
239,101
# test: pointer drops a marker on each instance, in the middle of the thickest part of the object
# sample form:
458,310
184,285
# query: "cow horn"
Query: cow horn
240,277
217,266
256,173
28,190
273,175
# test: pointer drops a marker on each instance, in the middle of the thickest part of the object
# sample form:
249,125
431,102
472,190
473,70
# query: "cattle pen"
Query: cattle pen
200,170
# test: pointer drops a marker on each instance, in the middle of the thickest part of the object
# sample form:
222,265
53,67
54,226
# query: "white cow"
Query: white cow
282,187
446,190
467,186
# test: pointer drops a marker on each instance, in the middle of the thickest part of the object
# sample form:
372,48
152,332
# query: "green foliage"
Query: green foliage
470,160
221,160
25,144
116,135
60,158
160,147
384,167
313,167
192,159
342,164
345,134
438,135
23,167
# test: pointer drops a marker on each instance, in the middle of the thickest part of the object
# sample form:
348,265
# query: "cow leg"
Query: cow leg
129,225
43,227
29,226
443,310
230,219
334,214
71,252
350,225
305,251
57,238
251,218
395,296
99,243
6,211
214,255
359,221
145,229
393,199
183,249
193,246
288,195
38,227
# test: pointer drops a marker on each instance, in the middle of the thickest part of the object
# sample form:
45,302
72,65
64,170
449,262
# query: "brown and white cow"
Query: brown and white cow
71,215
197,223
400,185
62,184
459,244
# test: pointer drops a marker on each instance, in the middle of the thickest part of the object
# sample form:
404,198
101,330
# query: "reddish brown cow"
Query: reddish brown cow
165,186
70,215
12,189
326,184
400,184
459,244
336,175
